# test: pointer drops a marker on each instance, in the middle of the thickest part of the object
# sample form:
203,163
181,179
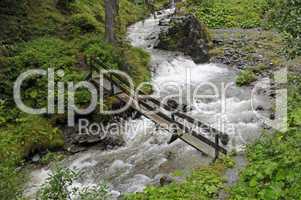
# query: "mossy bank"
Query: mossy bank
61,35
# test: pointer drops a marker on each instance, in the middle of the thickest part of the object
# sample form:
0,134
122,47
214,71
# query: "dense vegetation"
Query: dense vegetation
228,14
275,161
61,35
280,14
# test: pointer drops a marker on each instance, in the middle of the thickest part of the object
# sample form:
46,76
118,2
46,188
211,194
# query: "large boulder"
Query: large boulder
188,35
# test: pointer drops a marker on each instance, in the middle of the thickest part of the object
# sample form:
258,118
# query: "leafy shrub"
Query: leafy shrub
57,184
274,169
58,187
245,77
94,47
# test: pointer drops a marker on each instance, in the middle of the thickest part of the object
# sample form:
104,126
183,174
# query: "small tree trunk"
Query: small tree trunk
111,11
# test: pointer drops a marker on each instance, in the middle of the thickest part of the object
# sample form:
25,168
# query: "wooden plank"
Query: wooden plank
188,138
194,139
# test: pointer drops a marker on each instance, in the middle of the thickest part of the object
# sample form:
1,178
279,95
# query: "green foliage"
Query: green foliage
11,181
18,141
159,4
42,53
227,161
245,77
136,64
42,34
95,48
228,13
284,15
51,157
274,169
275,161
31,133
58,187
95,193
202,184
85,23
27,19
294,100
280,14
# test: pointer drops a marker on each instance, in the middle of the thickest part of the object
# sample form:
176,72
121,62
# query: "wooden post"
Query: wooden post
112,85
216,149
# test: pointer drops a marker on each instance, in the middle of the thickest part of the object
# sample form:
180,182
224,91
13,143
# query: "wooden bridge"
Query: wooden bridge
165,116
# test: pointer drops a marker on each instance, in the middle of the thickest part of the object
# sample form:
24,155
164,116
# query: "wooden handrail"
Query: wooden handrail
117,80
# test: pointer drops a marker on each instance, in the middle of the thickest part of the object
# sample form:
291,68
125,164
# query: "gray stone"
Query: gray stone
165,180
36,158
188,35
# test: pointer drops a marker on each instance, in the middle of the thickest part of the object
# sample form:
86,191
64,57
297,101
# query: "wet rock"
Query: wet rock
188,35
172,104
75,149
36,158
151,37
259,108
159,12
166,180
164,22
224,138
85,139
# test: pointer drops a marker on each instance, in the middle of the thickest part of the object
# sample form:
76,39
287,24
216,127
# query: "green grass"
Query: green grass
138,62
18,141
30,19
203,183
267,14
245,77
228,13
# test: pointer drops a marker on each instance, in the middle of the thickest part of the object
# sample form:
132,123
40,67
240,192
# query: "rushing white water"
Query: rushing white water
146,155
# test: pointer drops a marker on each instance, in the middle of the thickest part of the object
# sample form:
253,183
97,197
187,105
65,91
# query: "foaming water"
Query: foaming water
146,156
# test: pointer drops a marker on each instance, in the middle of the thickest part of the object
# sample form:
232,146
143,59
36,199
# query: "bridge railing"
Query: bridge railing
121,83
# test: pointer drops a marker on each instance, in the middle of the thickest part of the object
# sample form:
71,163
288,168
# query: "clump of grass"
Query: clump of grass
245,77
